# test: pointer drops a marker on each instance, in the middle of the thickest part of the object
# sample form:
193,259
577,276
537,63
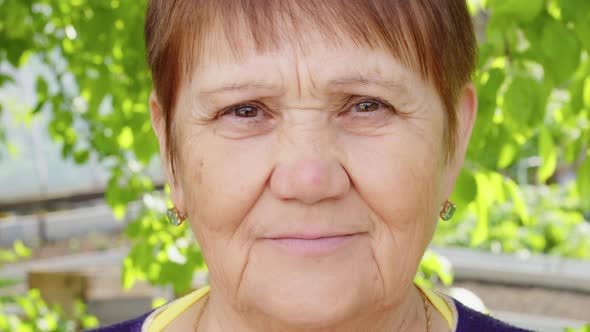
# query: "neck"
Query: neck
408,316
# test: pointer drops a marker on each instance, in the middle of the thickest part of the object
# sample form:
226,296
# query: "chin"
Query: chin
316,292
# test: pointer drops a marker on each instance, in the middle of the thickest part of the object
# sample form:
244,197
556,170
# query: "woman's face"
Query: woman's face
312,180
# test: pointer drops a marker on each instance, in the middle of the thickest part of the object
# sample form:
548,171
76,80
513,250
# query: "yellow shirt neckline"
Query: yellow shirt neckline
171,311
440,305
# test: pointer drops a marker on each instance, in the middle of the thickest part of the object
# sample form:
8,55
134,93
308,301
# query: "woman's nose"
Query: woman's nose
309,180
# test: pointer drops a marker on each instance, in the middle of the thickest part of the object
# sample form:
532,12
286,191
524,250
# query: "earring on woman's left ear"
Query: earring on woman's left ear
175,217
447,211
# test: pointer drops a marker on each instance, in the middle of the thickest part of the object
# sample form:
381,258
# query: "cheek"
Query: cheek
225,182
399,177
400,173
220,190
401,183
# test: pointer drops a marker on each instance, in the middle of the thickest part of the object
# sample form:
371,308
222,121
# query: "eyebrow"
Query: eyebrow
368,81
240,86
347,81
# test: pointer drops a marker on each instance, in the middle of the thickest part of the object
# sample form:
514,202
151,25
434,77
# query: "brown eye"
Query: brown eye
245,112
367,106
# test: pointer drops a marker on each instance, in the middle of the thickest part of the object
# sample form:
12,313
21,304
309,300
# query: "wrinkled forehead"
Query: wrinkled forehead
317,61
243,32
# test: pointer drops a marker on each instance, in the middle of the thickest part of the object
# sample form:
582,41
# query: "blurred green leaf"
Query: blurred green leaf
42,89
5,78
585,328
20,249
125,138
519,9
586,93
520,206
483,200
434,268
466,189
508,154
81,156
523,97
583,183
548,155
561,51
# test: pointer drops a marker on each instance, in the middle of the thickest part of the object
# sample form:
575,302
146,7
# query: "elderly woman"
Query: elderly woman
313,146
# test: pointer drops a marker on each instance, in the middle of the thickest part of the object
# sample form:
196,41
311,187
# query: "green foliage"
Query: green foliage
585,328
38,317
162,254
533,124
533,128
34,315
554,224
434,269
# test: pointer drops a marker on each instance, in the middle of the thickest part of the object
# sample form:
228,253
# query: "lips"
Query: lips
309,236
312,244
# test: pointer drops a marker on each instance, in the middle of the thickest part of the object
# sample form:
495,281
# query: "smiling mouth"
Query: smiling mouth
312,245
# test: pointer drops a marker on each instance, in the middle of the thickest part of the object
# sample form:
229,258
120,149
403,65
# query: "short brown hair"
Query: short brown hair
433,37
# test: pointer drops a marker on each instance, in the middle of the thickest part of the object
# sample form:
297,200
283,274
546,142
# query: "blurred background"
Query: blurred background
83,238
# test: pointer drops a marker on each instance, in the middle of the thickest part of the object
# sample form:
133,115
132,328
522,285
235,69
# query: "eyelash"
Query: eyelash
357,100
233,108
350,102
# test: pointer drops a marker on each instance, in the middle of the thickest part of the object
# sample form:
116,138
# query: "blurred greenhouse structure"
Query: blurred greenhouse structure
33,168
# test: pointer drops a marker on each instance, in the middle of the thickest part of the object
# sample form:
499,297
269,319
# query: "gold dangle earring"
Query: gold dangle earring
447,211
175,217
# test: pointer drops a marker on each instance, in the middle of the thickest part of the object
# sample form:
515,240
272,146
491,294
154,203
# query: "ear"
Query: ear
159,126
466,114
